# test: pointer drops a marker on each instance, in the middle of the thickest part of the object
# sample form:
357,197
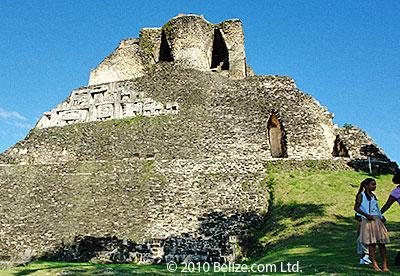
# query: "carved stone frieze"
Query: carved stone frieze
103,102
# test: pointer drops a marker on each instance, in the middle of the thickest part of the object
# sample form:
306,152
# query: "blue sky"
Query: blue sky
344,53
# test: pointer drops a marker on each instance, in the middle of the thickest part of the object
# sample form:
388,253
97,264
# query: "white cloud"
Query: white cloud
11,115
23,125
18,124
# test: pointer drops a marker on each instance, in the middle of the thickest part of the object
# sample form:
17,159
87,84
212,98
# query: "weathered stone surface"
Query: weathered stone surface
365,154
238,114
216,240
194,114
189,38
43,206
126,62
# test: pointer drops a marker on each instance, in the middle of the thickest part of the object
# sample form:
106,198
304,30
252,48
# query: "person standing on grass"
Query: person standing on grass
372,230
362,249
394,195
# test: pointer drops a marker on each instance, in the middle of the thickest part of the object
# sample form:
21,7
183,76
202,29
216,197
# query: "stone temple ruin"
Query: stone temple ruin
190,41
163,155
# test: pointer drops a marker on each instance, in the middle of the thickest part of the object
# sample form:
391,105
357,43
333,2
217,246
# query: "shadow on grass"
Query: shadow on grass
332,248
60,268
69,266
273,225
290,234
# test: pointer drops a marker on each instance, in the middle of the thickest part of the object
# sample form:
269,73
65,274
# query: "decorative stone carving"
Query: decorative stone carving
106,101
172,108
72,116
105,111
125,96
152,108
217,149
79,98
83,99
137,108
108,96
131,109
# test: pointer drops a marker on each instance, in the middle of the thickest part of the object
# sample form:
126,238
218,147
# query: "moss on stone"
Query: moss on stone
129,121
246,185
147,45
168,29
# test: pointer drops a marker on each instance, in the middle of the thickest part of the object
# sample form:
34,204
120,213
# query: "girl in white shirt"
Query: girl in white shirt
372,232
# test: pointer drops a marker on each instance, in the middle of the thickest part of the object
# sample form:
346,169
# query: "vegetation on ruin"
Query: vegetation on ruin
347,125
223,25
128,121
168,29
139,119
147,45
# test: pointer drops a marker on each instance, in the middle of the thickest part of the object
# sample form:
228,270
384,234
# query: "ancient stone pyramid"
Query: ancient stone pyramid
165,151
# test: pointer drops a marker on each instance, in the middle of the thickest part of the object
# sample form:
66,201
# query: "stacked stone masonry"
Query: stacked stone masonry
233,115
137,200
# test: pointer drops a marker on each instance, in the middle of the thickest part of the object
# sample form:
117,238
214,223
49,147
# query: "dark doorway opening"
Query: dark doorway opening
165,50
220,55
339,149
276,137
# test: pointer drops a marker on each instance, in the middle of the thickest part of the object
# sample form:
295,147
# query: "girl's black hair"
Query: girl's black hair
364,183
396,178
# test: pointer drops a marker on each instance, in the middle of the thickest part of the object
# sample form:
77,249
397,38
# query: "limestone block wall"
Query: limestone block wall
191,39
184,113
363,153
360,145
170,151
150,42
193,168
126,62
44,206
233,34
309,131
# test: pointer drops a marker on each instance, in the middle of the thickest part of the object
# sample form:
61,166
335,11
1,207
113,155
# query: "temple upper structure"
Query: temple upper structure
189,40
185,41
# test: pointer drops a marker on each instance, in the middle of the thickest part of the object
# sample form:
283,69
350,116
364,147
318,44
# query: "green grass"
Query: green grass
64,268
310,221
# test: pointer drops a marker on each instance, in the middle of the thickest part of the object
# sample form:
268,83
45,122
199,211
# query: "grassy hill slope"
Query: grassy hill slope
310,221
